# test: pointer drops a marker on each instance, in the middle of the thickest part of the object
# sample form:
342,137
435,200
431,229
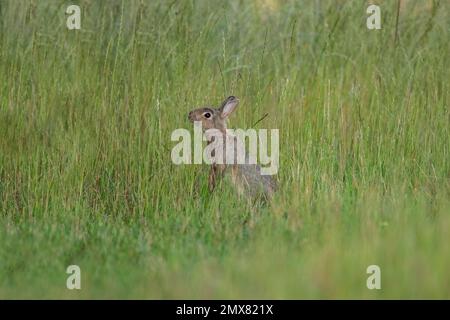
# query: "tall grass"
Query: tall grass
85,170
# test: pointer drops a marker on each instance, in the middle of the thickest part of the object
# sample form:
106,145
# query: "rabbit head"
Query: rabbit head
212,118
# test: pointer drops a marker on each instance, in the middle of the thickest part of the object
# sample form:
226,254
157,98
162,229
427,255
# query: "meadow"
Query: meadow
86,176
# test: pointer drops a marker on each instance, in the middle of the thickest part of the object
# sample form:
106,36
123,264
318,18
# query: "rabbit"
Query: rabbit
246,177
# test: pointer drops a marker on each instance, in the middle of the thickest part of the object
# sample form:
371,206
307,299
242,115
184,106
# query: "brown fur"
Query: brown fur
246,177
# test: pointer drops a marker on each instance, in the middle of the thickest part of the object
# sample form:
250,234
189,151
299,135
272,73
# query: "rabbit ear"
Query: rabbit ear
228,106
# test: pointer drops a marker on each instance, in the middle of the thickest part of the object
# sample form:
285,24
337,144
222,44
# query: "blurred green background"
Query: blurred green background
86,176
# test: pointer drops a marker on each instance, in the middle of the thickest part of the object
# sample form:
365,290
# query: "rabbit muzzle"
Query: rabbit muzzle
191,116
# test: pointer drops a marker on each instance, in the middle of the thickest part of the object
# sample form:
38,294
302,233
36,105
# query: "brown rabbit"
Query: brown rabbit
246,177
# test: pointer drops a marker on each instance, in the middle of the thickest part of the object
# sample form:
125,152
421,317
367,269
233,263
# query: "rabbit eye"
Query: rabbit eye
207,115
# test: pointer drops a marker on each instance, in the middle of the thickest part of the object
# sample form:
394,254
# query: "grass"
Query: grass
85,170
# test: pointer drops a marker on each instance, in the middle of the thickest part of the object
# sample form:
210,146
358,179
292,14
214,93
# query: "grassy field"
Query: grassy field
86,176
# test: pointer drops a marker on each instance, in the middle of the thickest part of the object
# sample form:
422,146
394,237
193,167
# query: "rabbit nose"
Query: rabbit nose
190,115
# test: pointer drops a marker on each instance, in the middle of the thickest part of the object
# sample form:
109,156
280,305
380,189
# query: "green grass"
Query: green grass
86,176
